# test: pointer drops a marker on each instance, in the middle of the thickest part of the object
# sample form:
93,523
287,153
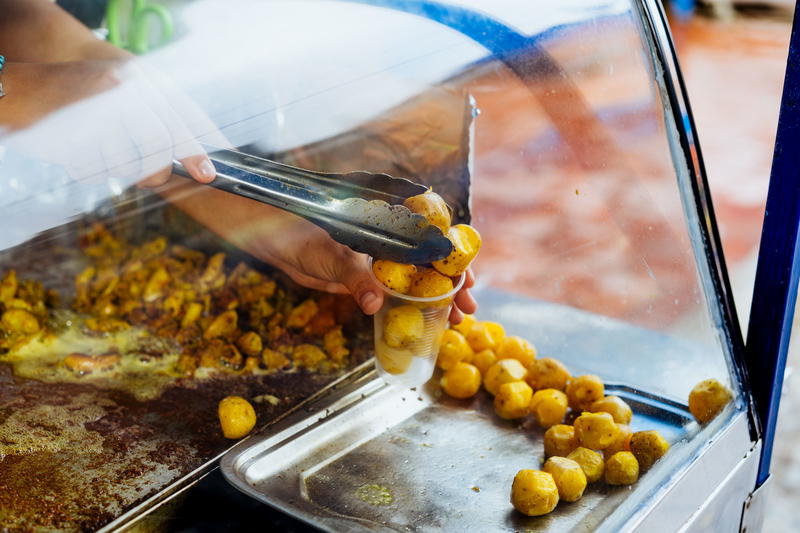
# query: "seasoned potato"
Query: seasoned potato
393,360
84,364
155,285
501,372
590,461
648,447
621,442
707,399
222,326
547,373
8,286
236,416
308,356
517,348
465,325
583,391
559,440
534,492
466,244
302,314
461,381
335,344
432,207
20,321
548,407
403,326
486,335
622,468
595,430
453,349
484,360
395,276
428,283
192,313
569,477
250,343
513,400
616,407
274,360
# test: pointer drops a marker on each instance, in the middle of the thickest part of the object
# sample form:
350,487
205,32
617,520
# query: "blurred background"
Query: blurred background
733,56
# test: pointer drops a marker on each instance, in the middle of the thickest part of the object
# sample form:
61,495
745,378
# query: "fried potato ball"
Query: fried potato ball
622,468
395,276
534,492
485,335
583,391
236,416
466,244
461,381
547,373
302,314
465,325
621,442
707,399
590,461
393,360
517,348
432,207
403,326
20,321
274,360
250,344
569,477
192,313
616,407
453,349
484,360
548,407
223,325
501,372
513,400
559,440
308,356
428,283
595,430
648,447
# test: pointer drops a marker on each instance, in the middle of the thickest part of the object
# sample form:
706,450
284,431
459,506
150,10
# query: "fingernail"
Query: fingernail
367,298
207,170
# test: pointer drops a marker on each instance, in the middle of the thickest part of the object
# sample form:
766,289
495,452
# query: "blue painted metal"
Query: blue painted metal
775,290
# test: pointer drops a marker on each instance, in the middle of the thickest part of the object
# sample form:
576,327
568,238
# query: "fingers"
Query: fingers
200,168
456,316
466,302
367,293
469,281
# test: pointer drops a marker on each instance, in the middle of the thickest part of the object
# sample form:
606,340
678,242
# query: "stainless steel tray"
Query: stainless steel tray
370,457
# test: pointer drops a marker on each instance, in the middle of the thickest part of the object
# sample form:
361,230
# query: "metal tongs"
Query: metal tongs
361,210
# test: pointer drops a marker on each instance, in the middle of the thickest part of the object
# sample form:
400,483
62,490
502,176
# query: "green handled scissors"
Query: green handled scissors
138,15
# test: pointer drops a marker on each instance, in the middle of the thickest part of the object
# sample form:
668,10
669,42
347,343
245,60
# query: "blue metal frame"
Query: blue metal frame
775,290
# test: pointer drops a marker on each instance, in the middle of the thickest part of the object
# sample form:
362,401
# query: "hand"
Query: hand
304,251
105,118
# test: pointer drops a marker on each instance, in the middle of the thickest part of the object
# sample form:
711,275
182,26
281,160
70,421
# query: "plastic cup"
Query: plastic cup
405,352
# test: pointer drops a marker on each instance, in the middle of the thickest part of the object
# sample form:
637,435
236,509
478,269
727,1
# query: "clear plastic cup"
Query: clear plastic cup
405,352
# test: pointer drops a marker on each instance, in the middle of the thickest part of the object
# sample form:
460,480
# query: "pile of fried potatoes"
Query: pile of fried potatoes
599,443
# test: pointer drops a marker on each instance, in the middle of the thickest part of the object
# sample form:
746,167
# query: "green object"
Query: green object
132,24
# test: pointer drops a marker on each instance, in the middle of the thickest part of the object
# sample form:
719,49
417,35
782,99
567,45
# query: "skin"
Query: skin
68,64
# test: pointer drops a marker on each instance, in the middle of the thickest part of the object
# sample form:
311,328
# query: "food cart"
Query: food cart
561,132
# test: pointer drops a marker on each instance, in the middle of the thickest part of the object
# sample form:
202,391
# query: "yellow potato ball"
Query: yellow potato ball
395,276
583,391
236,417
485,335
517,348
616,407
569,477
621,442
461,381
465,325
501,372
707,399
428,283
432,207
548,373
648,447
559,440
453,349
513,400
534,493
484,360
591,462
466,244
548,407
595,430
403,326
622,468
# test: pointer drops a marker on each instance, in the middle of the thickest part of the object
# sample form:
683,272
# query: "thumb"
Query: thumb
367,293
